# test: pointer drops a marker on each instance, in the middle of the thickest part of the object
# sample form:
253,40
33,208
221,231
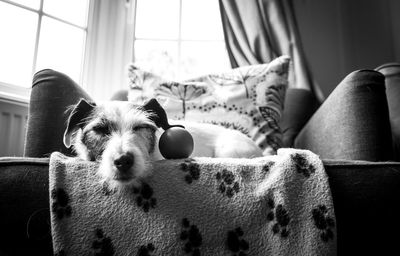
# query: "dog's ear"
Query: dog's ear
76,119
158,114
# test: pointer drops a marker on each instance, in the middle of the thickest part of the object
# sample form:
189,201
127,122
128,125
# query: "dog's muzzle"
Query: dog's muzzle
124,162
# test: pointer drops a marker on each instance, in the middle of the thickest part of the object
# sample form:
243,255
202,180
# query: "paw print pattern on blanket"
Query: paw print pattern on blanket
267,166
144,197
227,183
323,222
235,243
192,170
280,216
60,206
192,236
146,250
302,166
102,245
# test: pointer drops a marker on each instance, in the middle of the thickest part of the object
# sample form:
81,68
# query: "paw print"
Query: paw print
302,166
236,244
146,250
280,216
144,197
192,169
267,166
323,222
60,205
191,234
102,245
227,185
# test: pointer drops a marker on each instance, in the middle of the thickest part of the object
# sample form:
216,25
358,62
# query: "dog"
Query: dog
123,138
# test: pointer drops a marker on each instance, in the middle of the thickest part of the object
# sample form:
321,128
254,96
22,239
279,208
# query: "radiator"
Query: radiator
13,120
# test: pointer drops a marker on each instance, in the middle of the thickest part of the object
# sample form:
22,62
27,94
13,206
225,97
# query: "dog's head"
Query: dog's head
119,135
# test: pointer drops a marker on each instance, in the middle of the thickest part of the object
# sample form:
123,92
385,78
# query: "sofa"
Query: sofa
355,131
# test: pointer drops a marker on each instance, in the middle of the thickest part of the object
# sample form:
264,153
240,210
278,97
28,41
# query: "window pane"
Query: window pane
61,47
159,57
199,58
35,4
157,19
74,11
201,20
17,44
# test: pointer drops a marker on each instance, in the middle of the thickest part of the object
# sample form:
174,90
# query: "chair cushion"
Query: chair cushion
249,99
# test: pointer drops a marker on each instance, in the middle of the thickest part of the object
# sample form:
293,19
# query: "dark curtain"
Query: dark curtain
257,31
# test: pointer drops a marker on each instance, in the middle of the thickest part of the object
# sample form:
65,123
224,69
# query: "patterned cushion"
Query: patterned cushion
249,99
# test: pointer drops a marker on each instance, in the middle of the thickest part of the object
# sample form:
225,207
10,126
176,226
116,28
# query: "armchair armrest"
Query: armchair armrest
52,92
353,122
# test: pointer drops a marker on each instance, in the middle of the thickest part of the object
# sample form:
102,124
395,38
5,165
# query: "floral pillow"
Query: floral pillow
249,99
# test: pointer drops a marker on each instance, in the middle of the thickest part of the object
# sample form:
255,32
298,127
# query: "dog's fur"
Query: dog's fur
108,131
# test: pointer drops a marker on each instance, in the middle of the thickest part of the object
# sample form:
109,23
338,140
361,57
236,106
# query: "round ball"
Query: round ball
176,143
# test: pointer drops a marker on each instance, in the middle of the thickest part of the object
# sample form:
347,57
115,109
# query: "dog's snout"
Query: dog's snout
124,162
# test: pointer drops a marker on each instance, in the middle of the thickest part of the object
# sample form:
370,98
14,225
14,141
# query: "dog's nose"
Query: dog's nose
124,162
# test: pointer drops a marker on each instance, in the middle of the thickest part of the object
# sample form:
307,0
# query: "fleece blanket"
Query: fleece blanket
274,205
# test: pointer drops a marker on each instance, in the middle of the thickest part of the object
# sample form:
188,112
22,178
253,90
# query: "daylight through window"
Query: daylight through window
179,39
39,34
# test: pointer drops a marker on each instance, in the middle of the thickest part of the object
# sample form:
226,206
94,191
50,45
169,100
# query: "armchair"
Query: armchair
351,131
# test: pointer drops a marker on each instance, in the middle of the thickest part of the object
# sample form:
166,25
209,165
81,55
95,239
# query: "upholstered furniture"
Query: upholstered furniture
351,131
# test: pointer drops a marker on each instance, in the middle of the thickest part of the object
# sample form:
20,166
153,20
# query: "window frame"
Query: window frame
20,93
179,40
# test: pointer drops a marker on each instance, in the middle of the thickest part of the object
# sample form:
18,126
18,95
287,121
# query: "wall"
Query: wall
109,48
340,36
13,120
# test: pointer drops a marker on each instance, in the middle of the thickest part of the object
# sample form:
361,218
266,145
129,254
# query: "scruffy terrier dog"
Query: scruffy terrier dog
123,138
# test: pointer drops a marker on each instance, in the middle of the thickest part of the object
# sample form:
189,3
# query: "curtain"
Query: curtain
257,31
110,46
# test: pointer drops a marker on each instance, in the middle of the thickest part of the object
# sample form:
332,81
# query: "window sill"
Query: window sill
14,94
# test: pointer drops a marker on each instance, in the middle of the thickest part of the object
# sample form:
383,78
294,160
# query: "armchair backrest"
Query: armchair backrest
391,71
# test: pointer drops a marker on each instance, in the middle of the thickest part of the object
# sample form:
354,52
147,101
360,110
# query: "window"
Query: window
179,39
39,34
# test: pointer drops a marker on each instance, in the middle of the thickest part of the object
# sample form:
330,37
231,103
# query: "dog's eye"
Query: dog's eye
139,127
102,129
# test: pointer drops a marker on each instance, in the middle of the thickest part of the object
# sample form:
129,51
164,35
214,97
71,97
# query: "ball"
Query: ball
175,143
